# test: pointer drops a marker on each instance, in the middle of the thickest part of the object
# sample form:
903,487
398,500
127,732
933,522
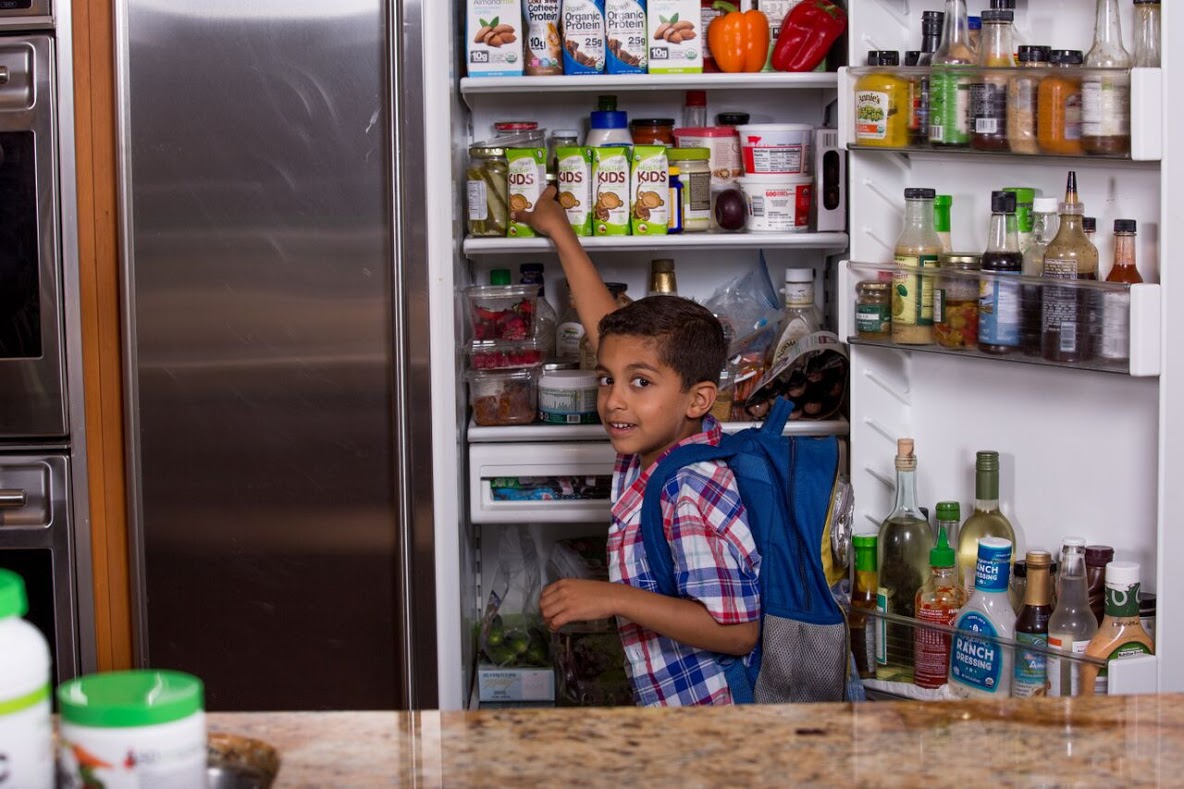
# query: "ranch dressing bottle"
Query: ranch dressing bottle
981,666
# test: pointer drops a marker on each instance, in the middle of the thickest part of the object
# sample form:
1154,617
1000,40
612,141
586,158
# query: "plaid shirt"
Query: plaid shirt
715,563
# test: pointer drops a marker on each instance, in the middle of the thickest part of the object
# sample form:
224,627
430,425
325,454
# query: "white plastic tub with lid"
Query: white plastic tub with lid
26,734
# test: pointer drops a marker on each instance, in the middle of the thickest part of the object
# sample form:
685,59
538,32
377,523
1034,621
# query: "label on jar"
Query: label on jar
165,754
1116,326
872,108
567,340
26,740
999,311
478,201
567,406
1029,672
1105,108
912,293
988,107
696,200
1055,667
1061,310
976,662
872,319
931,647
1073,116
1129,649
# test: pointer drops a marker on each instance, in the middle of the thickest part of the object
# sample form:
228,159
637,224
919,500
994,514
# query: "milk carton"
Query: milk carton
649,179
624,23
583,36
610,180
494,34
574,174
674,37
525,179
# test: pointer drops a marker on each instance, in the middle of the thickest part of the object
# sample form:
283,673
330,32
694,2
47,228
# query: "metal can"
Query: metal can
956,300
873,310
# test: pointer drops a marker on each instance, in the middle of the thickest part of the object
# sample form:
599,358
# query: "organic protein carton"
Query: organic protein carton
583,36
574,173
649,179
610,179
544,45
526,178
624,22
674,38
494,35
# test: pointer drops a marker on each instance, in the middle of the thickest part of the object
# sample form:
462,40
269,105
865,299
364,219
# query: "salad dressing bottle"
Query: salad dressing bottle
917,249
1066,310
1121,633
980,665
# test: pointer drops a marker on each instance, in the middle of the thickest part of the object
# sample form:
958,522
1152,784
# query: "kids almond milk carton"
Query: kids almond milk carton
674,36
574,174
493,30
649,209
610,190
525,179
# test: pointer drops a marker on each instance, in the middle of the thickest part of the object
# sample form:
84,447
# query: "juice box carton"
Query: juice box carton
624,25
610,188
525,180
583,36
574,175
649,190
674,37
493,30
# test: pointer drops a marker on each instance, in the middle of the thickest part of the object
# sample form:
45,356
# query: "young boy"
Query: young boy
658,361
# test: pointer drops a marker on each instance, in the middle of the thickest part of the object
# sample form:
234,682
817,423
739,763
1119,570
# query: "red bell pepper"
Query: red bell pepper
807,34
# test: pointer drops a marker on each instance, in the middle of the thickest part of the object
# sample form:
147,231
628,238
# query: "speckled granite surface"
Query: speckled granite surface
1120,741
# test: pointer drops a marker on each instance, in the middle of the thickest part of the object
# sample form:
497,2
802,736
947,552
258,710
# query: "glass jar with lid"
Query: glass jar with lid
955,301
694,171
487,187
873,310
653,131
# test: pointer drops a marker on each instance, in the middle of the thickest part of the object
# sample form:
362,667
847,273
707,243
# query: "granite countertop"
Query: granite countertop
1111,741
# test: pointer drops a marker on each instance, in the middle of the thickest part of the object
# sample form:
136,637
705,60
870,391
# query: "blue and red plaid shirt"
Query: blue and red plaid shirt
715,563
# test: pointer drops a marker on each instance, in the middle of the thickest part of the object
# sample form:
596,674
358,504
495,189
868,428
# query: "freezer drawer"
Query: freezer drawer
540,483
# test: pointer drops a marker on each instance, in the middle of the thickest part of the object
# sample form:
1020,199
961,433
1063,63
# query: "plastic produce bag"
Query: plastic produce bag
748,307
512,632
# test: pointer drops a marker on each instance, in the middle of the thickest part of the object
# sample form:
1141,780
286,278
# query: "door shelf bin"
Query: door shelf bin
1100,306
582,471
894,638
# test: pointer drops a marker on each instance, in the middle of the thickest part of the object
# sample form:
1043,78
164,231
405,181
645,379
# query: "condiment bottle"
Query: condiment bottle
1115,343
675,191
979,664
662,280
1072,624
949,517
1031,629
1024,198
1058,119
903,561
1121,634
999,301
955,302
988,96
986,520
1106,97
802,315
882,105
949,83
26,728
937,602
1022,93
1096,559
931,25
1046,221
609,126
941,220
1065,326
917,251
863,598
1146,34
1017,587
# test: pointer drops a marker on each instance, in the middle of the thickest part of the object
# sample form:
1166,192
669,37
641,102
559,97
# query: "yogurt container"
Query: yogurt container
777,204
130,729
26,734
777,148
568,397
724,145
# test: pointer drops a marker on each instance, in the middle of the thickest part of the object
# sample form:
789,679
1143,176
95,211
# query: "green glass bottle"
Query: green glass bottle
986,520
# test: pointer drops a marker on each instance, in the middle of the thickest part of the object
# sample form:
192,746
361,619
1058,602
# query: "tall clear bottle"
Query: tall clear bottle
917,248
903,557
1105,98
802,315
988,95
1072,624
980,664
1066,310
949,82
986,520
1046,221
999,301
1146,34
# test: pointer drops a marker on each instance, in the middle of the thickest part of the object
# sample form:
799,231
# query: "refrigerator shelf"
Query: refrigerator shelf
811,80
686,241
558,433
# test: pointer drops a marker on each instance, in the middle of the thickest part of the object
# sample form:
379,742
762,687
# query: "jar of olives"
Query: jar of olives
955,302
873,310
488,198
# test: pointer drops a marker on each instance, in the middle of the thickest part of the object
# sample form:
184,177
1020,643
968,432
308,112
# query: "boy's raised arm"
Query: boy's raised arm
593,300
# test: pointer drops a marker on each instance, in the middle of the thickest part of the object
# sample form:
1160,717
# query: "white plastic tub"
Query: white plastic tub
777,148
777,204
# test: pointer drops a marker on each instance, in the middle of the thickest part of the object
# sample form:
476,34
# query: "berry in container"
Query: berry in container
503,397
502,312
501,355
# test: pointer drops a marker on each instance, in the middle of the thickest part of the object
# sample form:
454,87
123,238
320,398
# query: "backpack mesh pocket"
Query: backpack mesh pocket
802,662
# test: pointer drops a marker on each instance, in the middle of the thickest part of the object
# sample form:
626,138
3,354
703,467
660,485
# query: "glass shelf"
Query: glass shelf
544,432
811,80
497,245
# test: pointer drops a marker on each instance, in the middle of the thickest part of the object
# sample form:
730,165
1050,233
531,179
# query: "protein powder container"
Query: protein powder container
26,735
568,397
133,729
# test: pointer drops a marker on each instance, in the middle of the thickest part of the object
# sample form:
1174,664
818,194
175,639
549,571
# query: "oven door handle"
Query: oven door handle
13,499
3,75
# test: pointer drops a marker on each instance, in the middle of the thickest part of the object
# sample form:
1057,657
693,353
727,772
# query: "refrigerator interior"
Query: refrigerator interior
1082,452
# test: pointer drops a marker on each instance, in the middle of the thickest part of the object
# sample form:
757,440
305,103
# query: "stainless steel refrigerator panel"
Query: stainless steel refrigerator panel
257,184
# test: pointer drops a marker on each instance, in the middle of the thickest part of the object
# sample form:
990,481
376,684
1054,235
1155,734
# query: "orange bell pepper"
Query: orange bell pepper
739,40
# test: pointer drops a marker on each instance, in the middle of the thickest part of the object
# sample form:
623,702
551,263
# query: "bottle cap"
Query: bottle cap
674,170
960,261
1045,205
1098,555
121,699
1038,559
1002,202
1089,224
1066,57
1024,195
873,57
13,600
1029,53
931,21
732,118
1122,574
920,194
865,552
696,98
606,103
499,276
942,555
888,58
905,459
662,266
1124,225
1020,568
974,22
986,460
912,57
949,511
609,119
1073,542
997,15
566,133
943,201
1003,4
799,275
688,154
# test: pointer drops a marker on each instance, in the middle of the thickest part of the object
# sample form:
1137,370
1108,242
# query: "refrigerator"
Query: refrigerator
1083,452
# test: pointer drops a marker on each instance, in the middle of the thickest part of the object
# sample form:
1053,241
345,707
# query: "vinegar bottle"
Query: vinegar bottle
1065,331
1121,634
938,602
1045,224
980,665
986,520
1072,624
999,301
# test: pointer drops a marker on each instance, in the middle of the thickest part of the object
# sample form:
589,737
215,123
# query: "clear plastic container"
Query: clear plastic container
503,397
503,355
502,312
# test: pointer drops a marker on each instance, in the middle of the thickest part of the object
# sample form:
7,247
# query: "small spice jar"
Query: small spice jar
873,310
694,172
652,131
955,302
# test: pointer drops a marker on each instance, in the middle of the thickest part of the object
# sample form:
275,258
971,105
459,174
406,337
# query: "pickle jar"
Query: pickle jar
955,302
873,310
488,198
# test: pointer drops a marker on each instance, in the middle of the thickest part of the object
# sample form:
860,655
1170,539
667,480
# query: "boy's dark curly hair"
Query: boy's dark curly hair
690,339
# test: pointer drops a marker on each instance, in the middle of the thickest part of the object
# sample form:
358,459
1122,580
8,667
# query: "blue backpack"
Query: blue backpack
786,484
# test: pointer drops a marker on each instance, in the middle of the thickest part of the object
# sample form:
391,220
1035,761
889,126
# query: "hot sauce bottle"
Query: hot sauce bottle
937,602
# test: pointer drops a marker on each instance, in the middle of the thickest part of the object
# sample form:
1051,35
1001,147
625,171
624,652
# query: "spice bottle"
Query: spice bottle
999,300
1146,34
917,250
1022,93
1058,103
1121,634
949,83
1106,97
882,105
988,95
1096,559
863,598
980,665
1066,322
26,729
1115,343
1072,624
937,603
955,302
1024,198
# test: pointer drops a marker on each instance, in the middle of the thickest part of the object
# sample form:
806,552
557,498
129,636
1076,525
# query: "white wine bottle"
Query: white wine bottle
986,520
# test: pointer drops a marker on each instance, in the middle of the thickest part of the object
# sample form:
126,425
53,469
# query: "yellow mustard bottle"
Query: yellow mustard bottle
882,104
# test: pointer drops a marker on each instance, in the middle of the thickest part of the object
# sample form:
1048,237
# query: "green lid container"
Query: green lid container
13,601
688,154
942,555
122,699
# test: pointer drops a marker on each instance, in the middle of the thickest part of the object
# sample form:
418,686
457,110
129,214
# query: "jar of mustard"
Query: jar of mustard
873,310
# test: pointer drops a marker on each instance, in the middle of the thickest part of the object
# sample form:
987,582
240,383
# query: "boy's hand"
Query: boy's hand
576,600
548,217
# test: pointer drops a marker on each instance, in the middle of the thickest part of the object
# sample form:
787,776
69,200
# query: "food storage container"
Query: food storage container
502,312
568,397
26,733
487,188
504,355
503,397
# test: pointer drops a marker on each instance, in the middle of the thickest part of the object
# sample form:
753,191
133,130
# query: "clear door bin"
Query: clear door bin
541,482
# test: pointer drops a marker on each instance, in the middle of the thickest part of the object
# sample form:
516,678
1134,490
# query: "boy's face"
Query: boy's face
641,401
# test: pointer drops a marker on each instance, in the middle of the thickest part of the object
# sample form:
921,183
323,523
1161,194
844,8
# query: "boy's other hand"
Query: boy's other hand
576,600
548,217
